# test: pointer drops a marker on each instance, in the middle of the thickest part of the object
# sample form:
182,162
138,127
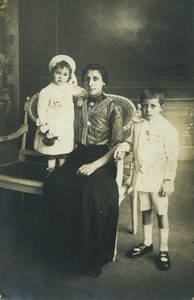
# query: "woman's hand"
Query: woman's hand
120,151
167,188
119,154
87,170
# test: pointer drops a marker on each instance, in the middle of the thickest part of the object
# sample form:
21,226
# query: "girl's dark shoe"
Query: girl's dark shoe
139,250
50,170
92,272
164,261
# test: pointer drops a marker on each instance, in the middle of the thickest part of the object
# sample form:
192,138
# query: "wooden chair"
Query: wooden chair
125,166
27,175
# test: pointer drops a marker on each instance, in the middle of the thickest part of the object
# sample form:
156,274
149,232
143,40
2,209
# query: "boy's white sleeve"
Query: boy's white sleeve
43,102
130,138
171,145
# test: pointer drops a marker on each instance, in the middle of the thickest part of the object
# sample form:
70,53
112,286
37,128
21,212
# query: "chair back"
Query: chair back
127,106
125,166
32,107
128,111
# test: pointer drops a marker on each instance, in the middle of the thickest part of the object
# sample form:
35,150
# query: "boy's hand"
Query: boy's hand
167,188
87,170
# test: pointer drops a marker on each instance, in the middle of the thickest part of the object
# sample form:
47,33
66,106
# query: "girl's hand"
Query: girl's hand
44,128
167,188
87,170
82,98
80,101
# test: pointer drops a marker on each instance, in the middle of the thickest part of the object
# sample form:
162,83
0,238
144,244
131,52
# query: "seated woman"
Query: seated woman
81,197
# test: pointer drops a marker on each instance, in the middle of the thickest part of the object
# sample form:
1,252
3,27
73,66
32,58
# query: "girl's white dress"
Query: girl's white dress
56,111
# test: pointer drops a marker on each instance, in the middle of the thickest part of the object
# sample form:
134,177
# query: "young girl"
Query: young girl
55,133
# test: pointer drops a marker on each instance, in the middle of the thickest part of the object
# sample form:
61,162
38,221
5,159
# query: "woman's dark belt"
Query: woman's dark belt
93,146
95,151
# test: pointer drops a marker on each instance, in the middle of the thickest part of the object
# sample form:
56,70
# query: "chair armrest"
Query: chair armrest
124,189
119,176
123,181
23,129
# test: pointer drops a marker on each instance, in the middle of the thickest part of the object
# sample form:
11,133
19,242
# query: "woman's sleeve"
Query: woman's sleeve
42,108
116,125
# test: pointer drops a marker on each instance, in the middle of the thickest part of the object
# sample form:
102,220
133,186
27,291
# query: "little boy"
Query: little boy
155,148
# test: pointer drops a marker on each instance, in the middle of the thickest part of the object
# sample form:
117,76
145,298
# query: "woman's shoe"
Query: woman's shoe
139,250
164,261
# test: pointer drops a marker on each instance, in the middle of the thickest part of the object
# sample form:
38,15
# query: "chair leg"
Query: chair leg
115,251
21,202
134,212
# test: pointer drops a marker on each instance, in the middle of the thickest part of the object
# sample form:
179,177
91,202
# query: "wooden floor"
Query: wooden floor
28,273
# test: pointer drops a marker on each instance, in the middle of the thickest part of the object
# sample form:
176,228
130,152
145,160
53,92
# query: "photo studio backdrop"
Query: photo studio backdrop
141,43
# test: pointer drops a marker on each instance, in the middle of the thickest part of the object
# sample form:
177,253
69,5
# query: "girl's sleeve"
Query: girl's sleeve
80,95
42,108
78,91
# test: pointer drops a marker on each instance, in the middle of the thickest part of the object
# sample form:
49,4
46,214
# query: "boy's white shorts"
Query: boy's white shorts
153,200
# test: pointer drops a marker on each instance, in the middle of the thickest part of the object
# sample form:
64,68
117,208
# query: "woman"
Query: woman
81,197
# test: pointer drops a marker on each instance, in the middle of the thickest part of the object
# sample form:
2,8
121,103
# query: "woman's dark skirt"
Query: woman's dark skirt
80,213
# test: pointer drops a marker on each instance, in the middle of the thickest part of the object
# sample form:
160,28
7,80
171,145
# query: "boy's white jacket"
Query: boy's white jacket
155,149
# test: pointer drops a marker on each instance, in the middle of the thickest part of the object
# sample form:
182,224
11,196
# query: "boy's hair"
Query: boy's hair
99,68
152,93
61,65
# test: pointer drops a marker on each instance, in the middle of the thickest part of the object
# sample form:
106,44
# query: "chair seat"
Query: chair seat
23,176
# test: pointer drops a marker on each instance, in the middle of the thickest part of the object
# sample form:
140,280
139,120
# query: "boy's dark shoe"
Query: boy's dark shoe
164,261
139,250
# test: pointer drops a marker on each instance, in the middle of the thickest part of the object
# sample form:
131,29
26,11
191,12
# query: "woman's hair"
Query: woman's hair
152,93
61,65
99,68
